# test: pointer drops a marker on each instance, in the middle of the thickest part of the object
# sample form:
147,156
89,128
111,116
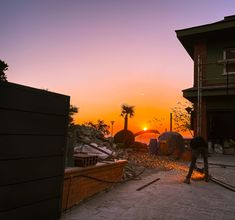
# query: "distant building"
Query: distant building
212,48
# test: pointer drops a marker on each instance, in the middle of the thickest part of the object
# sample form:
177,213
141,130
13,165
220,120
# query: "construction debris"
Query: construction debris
147,184
152,161
92,142
223,184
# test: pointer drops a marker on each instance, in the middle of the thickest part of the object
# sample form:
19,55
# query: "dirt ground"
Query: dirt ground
167,198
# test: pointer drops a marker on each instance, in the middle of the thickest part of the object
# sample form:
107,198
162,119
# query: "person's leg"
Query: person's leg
192,166
205,158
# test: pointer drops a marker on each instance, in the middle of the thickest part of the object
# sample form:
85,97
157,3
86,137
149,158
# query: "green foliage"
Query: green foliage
124,137
3,68
99,126
181,117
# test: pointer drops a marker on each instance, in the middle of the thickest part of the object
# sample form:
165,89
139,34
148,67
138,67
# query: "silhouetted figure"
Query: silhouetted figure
199,147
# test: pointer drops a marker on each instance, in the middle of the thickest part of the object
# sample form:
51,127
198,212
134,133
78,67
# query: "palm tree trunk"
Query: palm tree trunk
126,122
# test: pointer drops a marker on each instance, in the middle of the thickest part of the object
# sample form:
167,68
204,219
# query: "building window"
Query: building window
229,60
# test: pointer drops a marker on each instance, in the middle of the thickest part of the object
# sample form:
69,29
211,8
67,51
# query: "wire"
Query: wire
97,179
107,181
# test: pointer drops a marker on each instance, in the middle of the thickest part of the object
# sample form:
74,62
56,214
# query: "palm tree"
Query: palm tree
127,111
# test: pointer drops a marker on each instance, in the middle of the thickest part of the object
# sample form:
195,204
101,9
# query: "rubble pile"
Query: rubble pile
86,134
89,140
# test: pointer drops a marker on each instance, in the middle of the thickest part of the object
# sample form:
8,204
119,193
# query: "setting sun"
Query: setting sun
145,128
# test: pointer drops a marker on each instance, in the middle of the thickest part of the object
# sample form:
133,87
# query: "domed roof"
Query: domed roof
174,142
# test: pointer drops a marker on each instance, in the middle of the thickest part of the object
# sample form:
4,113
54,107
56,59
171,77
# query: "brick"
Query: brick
77,188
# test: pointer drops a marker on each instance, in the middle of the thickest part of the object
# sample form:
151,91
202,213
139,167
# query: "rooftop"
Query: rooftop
187,35
226,23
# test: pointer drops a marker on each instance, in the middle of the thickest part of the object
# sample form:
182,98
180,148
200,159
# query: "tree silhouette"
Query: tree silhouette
99,126
181,117
127,111
72,110
3,68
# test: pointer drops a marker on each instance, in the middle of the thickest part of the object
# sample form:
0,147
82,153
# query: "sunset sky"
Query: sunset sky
104,53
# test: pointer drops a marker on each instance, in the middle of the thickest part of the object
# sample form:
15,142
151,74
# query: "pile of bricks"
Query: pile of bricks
84,160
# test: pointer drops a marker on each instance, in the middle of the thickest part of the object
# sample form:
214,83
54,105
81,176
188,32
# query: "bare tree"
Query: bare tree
158,123
182,117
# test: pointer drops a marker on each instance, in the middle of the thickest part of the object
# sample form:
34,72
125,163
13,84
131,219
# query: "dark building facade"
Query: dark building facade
212,48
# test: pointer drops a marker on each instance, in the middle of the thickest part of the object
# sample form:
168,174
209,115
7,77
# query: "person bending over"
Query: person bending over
199,147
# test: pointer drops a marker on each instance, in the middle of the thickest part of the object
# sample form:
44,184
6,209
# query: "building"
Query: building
212,48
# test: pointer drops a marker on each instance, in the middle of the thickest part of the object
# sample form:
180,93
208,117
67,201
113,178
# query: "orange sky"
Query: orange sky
105,53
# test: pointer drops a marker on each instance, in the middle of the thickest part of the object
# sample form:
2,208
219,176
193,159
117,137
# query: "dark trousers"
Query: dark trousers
195,154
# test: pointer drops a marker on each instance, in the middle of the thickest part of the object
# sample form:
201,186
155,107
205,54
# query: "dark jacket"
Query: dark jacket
198,142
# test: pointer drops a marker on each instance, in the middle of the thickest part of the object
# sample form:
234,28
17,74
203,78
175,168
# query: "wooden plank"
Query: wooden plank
14,122
18,195
16,96
17,171
45,210
24,146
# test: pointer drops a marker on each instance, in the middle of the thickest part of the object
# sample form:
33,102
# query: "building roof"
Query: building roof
188,35
223,90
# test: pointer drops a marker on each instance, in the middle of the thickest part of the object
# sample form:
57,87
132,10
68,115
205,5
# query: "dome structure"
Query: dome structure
171,143
125,137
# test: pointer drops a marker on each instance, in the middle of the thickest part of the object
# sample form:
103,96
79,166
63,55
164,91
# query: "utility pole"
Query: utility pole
112,122
170,122
199,96
227,79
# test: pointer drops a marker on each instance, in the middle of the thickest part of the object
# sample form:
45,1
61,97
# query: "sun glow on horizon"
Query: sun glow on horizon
106,60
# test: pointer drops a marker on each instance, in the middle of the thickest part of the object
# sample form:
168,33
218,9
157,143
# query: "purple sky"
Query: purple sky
104,53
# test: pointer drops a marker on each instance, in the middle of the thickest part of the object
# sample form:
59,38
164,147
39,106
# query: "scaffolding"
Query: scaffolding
199,96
